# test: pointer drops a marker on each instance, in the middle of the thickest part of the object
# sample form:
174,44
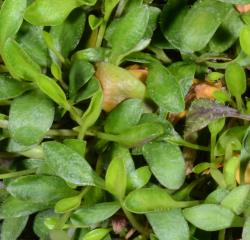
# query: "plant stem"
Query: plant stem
239,103
17,174
222,234
184,143
134,222
212,147
101,33
120,8
61,133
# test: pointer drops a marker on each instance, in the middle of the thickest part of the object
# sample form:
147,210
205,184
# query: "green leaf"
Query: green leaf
39,227
227,33
116,172
94,22
145,200
57,234
12,208
209,217
109,6
52,89
200,23
235,79
93,111
126,36
77,145
11,88
166,163
138,178
184,73
31,40
244,36
11,18
18,62
214,76
80,73
67,35
237,199
88,2
96,234
31,116
89,215
232,136
49,13
172,18
235,1
139,134
68,204
13,227
91,87
229,171
39,189
164,225
69,165
246,230
164,90
124,116
216,196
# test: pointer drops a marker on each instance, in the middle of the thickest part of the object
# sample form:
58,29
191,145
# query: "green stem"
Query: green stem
222,234
101,33
17,174
136,225
239,103
60,224
61,133
212,147
120,8
75,115
184,143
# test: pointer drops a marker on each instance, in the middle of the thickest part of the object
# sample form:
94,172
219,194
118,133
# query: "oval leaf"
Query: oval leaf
13,227
164,225
19,63
166,163
40,189
126,36
90,215
11,88
116,172
10,25
140,201
69,165
96,234
236,79
200,23
68,204
125,115
31,116
237,199
164,90
49,13
209,217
